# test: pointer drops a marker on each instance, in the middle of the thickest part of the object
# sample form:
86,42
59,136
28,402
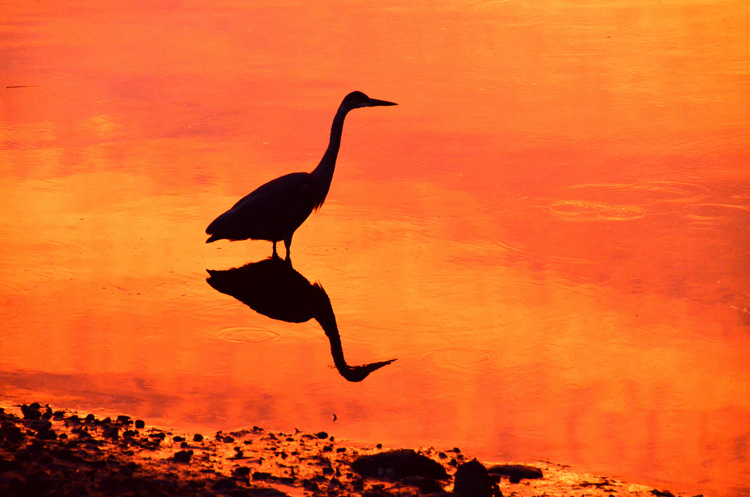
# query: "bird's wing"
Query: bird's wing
271,212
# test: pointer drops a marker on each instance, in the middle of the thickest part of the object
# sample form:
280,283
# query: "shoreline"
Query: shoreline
49,451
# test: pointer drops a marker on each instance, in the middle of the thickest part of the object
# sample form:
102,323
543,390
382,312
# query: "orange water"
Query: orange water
550,232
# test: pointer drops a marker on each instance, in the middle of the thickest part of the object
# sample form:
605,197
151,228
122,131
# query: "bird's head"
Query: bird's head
357,99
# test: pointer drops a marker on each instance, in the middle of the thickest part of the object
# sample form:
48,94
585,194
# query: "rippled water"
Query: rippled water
548,233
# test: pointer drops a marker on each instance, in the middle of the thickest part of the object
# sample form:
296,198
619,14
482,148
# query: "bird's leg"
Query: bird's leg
288,244
275,255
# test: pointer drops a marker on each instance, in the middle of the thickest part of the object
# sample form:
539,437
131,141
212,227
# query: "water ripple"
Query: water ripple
247,334
464,359
624,201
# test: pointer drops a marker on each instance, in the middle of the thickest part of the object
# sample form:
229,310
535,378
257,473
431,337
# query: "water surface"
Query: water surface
549,232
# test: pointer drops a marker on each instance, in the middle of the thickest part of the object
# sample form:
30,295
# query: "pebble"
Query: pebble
398,464
473,480
516,472
31,412
183,456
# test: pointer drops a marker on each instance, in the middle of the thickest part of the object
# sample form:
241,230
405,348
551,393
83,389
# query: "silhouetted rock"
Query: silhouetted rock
516,472
183,456
473,480
398,464
224,484
31,411
425,485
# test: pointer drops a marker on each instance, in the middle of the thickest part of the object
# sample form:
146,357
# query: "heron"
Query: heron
276,209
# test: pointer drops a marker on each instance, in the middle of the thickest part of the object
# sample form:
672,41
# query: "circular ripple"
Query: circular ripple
584,210
460,358
633,194
716,212
245,334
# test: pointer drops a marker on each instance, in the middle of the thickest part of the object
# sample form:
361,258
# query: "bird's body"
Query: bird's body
276,209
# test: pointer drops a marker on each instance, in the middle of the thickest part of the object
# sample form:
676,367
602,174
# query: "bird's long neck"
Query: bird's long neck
323,174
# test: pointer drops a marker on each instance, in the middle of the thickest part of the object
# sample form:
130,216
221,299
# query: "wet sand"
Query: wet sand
57,452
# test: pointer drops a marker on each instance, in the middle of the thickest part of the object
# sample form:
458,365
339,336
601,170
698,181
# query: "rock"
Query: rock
241,471
425,485
516,472
31,412
398,464
473,480
224,484
140,424
111,432
39,425
265,492
197,437
183,456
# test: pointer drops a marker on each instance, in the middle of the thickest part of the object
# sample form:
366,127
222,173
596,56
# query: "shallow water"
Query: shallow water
549,232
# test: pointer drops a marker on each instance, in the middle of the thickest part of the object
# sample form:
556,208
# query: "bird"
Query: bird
276,209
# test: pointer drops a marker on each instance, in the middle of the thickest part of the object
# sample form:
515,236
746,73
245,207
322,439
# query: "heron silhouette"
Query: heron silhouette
275,210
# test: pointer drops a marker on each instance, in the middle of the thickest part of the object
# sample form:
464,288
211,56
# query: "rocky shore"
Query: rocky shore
53,452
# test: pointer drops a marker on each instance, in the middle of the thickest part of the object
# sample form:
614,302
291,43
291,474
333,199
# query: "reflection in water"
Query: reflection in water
275,210
272,287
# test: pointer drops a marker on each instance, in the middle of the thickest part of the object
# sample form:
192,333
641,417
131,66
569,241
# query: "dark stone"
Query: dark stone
516,472
112,432
398,464
124,419
473,480
197,437
46,434
39,425
179,439
68,455
224,484
425,485
12,434
128,469
242,471
183,456
139,424
31,412
265,492
321,435
665,493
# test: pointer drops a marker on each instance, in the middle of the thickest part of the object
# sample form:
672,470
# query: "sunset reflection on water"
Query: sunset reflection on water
549,232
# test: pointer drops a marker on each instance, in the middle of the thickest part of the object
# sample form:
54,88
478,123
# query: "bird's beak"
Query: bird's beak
374,103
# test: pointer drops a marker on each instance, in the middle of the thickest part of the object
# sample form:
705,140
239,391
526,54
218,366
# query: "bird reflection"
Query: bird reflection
272,287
